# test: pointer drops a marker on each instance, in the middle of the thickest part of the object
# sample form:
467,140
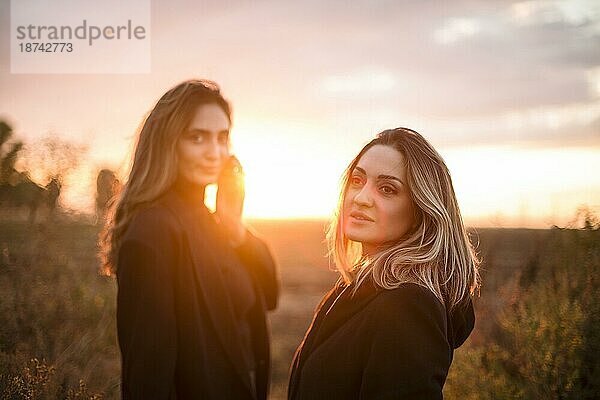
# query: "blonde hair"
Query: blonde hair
154,168
436,253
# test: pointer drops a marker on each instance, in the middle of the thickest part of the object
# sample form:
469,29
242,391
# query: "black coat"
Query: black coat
177,330
378,344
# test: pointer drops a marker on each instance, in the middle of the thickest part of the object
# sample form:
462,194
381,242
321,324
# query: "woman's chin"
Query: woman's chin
204,180
355,236
207,182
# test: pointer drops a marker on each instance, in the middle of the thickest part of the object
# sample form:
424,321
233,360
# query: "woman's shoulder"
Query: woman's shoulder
409,298
152,222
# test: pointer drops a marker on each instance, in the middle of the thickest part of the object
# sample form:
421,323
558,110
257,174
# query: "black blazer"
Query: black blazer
378,344
177,331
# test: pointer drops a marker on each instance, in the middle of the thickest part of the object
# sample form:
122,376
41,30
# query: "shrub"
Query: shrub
547,338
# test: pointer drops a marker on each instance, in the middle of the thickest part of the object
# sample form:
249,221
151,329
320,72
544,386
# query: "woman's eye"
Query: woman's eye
355,181
223,139
196,138
388,189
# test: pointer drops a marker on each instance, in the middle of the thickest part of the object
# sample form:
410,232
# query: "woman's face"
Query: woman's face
203,148
378,208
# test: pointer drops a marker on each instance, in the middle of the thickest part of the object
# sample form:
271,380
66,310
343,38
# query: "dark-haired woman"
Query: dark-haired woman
388,329
194,287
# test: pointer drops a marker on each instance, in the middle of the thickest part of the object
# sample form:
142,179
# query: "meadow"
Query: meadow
538,314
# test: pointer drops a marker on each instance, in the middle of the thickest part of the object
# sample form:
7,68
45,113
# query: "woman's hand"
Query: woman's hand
230,201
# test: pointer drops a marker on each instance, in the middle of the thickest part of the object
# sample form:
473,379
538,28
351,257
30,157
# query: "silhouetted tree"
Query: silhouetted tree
8,156
53,192
24,193
107,187
52,157
5,132
49,159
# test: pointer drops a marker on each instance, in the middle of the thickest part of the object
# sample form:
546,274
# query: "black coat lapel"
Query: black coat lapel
344,306
307,343
209,279
338,306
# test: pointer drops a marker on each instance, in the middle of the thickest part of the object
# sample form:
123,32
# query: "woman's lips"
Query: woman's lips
360,216
210,170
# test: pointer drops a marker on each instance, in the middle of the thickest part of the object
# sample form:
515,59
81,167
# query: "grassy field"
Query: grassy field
537,317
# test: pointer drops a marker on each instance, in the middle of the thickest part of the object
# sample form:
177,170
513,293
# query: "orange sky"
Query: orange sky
509,93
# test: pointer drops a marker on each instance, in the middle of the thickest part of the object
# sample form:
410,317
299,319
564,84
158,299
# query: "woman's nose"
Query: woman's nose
212,150
364,197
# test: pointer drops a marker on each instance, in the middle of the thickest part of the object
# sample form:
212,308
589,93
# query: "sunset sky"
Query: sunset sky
508,92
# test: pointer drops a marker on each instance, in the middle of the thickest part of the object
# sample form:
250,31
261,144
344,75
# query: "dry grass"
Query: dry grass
56,308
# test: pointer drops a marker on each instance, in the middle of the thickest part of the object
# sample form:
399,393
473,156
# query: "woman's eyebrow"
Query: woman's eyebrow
388,177
199,130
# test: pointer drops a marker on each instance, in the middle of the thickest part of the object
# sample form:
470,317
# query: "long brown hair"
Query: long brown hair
154,167
436,253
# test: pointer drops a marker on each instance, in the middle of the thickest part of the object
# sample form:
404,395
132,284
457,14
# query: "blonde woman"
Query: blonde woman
194,287
388,329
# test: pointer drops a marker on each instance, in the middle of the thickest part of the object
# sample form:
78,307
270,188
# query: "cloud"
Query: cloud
563,125
361,82
392,61
593,76
524,79
568,12
456,29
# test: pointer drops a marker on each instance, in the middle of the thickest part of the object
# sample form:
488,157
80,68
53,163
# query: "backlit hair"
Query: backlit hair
154,168
436,253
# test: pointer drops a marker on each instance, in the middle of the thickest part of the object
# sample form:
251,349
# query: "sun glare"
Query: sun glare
285,177
501,187
293,172
506,186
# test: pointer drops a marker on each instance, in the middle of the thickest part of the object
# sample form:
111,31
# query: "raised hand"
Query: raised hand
230,200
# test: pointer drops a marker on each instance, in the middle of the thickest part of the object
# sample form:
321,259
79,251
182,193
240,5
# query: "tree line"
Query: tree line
50,159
